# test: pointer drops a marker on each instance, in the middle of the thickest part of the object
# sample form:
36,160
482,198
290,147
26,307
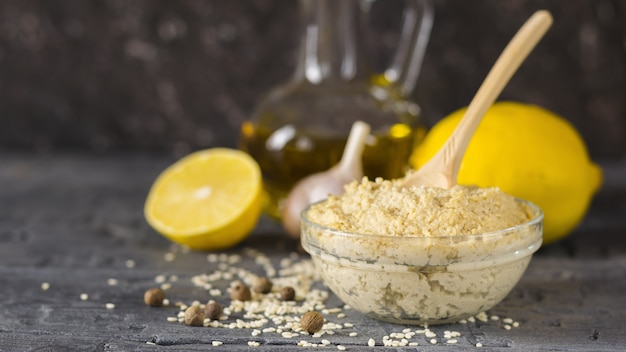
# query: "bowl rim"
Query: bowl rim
535,210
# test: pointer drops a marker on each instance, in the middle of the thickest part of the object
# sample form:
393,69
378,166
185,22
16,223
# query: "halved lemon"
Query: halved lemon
208,200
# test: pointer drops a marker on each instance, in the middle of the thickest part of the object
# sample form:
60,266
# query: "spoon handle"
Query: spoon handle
507,64
451,154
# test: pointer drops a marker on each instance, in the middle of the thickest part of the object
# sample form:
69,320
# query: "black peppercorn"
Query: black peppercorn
194,316
262,285
239,291
312,322
213,310
154,297
288,294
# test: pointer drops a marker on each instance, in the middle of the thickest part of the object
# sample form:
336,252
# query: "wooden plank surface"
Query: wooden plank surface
75,222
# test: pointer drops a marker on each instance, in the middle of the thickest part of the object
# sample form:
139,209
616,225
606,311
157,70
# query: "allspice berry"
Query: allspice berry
213,310
239,291
288,294
194,316
312,322
262,285
154,297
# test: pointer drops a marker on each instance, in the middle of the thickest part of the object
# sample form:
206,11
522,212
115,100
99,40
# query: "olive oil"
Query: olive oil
286,155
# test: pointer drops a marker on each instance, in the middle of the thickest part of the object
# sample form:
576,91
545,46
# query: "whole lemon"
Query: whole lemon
530,153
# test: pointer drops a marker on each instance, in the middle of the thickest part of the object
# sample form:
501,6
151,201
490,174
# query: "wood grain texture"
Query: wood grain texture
74,220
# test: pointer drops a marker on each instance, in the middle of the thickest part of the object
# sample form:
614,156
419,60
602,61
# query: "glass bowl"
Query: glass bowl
418,280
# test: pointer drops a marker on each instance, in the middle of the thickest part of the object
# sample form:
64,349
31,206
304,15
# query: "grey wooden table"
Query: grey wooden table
73,239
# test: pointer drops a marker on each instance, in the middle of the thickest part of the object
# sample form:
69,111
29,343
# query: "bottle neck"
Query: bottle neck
331,48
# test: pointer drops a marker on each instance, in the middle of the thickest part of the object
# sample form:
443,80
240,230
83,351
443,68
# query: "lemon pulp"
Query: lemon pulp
208,200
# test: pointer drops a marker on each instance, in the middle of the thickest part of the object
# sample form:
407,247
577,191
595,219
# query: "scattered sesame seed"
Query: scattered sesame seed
169,256
430,334
112,282
84,296
110,306
341,315
217,343
478,344
341,347
45,286
413,344
325,342
507,327
515,324
348,325
253,343
371,342
159,279
507,320
172,319
130,263
166,286
166,302
433,341
150,343
353,334
452,341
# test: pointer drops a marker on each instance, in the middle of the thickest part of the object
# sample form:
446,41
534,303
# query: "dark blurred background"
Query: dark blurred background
176,76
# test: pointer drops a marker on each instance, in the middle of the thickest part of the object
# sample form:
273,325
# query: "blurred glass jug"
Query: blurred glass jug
301,127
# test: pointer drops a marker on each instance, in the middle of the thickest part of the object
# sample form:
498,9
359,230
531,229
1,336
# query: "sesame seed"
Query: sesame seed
150,343
166,302
452,341
341,347
348,325
353,334
325,342
430,334
413,344
494,318
515,324
166,286
112,282
507,320
433,341
169,257
371,342
217,343
84,296
45,286
507,327
172,319
159,279
253,343
478,344
110,306
130,263
482,316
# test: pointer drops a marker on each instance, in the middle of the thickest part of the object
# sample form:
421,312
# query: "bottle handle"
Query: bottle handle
417,21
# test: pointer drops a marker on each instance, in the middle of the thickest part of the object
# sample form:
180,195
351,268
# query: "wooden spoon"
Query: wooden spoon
443,168
318,186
